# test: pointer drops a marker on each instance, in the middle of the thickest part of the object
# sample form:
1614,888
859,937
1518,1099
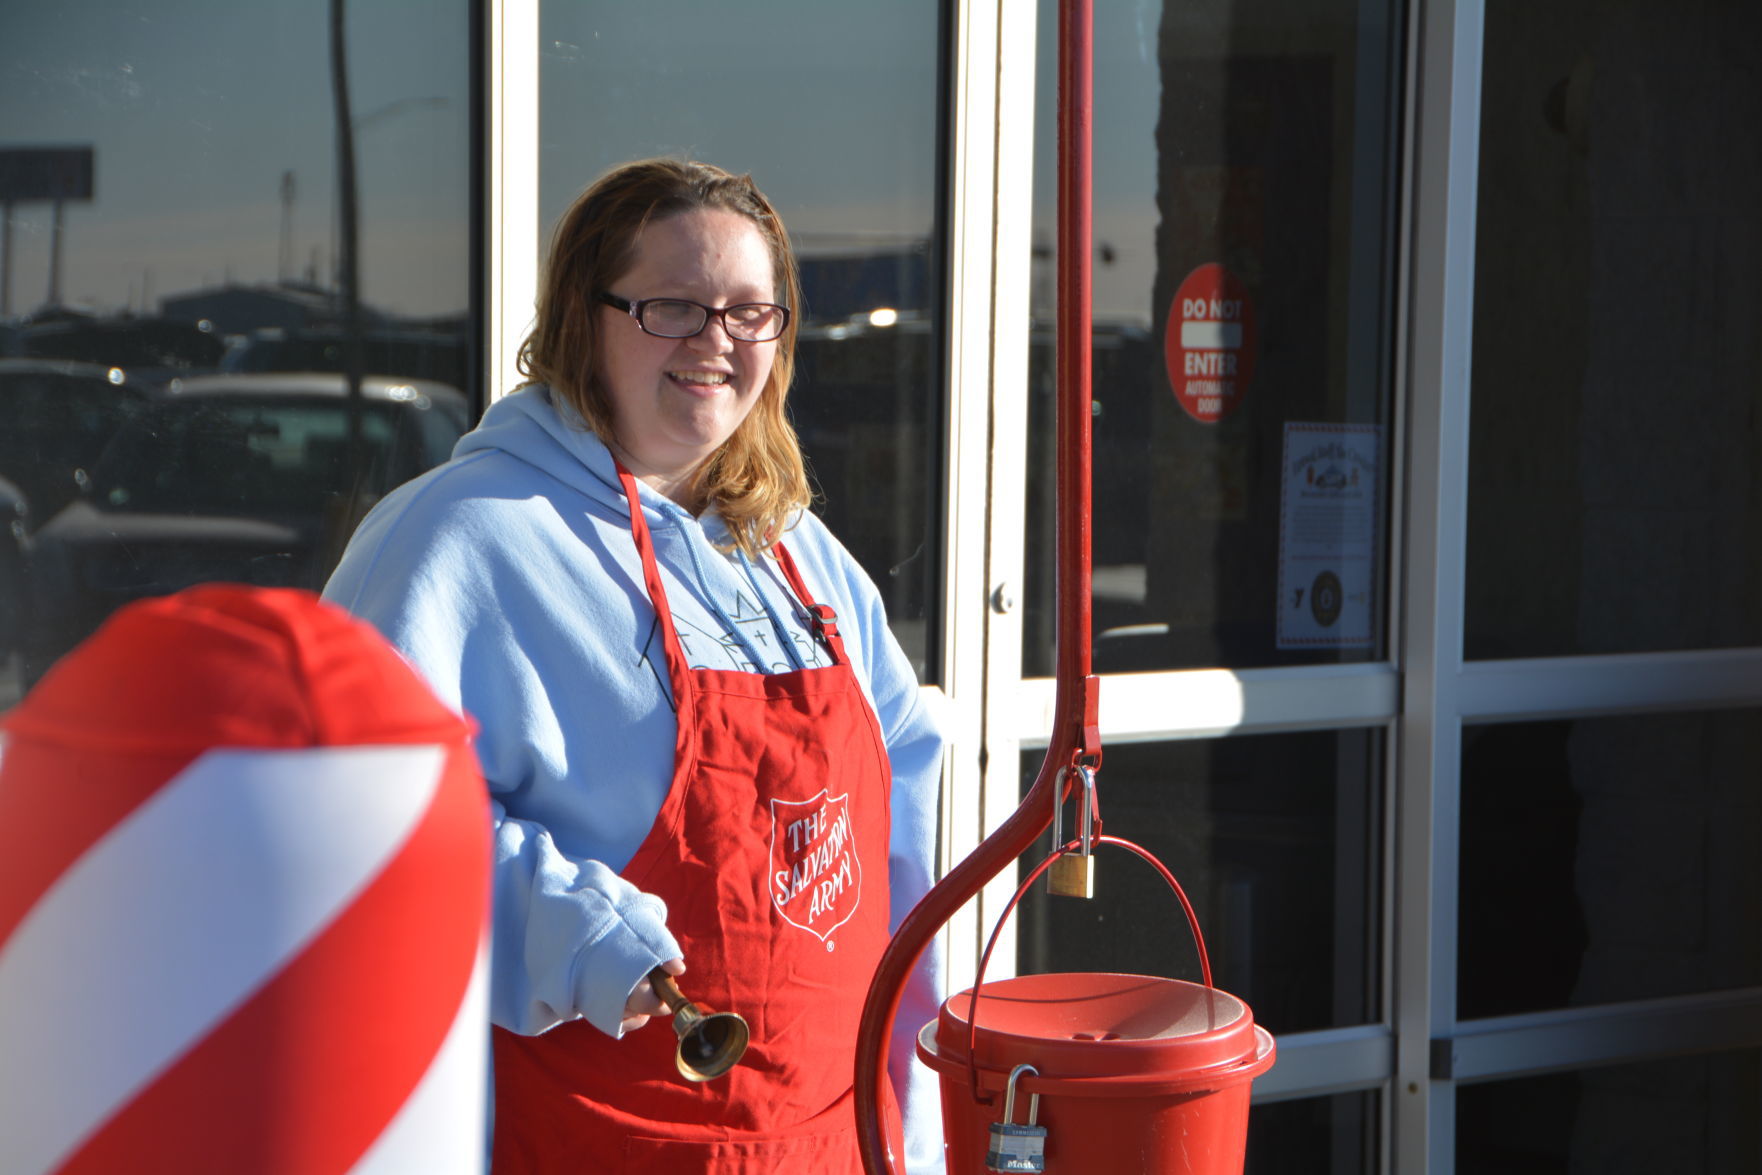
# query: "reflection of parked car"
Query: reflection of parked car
59,416
408,354
151,349
243,478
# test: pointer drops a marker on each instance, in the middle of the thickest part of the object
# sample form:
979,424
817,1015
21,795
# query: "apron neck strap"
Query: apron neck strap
821,618
677,666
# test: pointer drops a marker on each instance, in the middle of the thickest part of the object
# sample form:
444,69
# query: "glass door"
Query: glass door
1246,469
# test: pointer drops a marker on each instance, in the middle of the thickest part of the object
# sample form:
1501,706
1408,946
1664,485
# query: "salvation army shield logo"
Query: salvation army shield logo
816,878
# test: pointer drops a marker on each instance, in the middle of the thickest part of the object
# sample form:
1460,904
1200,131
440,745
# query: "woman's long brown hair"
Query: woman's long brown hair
756,480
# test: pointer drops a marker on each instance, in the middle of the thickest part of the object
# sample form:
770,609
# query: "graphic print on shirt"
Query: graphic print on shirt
816,878
708,649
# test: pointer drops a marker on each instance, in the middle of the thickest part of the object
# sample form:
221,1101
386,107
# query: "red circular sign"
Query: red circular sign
1210,343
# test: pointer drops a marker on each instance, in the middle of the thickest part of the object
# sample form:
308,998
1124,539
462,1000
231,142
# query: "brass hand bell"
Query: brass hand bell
709,1042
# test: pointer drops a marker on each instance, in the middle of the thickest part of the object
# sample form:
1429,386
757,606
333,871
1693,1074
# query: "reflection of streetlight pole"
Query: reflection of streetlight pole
361,123
348,274
5,258
284,261
352,505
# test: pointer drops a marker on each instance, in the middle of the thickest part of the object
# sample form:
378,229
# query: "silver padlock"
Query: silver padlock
1017,1148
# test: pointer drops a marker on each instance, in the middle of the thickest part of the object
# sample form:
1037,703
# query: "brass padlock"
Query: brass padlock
1073,875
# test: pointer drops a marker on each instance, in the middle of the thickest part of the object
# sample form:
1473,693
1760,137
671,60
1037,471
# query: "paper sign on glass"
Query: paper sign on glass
1330,486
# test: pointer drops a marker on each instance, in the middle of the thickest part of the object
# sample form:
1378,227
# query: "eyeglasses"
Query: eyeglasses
676,318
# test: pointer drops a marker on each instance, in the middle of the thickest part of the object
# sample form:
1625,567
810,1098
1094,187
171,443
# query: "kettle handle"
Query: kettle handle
985,959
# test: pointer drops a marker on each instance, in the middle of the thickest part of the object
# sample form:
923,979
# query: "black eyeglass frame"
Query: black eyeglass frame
635,310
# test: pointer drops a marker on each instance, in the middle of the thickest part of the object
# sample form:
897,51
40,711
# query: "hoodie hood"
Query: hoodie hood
541,429
538,427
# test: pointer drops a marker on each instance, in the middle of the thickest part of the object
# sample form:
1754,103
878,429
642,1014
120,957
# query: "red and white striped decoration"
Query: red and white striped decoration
253,940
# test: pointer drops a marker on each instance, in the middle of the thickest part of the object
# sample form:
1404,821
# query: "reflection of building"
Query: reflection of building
864,362
838,287
237,310
860,412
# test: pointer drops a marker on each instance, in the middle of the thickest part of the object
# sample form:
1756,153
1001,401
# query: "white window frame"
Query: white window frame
510,45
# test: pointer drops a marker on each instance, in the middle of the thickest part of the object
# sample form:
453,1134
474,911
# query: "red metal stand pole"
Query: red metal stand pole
1074,734
1076,125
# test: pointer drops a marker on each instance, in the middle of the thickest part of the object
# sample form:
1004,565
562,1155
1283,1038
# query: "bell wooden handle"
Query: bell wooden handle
668,990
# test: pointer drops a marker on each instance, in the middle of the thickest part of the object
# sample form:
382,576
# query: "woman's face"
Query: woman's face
674,401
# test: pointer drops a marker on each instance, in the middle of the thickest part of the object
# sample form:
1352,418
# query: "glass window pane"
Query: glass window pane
1276,840
846,145
1609,859
173,309
1242,177
1314,1136
1689,1116
1614,500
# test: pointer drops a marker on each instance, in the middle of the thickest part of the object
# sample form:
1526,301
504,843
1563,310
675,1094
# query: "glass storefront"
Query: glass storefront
1689,1116
1275,838
1609,859
1244,175
1315,1136
191,273
1614,499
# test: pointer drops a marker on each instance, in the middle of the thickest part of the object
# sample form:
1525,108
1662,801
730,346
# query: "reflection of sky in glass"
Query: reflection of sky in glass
831,107
1128,91
197,108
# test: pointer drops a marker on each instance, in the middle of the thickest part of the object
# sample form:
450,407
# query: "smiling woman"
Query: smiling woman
685,688
697,415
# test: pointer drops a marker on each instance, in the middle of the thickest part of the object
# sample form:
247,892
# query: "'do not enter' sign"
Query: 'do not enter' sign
1210,343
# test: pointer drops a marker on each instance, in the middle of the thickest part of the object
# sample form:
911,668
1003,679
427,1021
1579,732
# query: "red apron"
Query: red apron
770,851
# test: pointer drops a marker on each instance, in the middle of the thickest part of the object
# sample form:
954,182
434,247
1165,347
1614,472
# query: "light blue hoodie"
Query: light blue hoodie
509,578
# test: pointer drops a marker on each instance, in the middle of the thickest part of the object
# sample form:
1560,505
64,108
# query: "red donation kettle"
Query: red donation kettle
1093,1071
